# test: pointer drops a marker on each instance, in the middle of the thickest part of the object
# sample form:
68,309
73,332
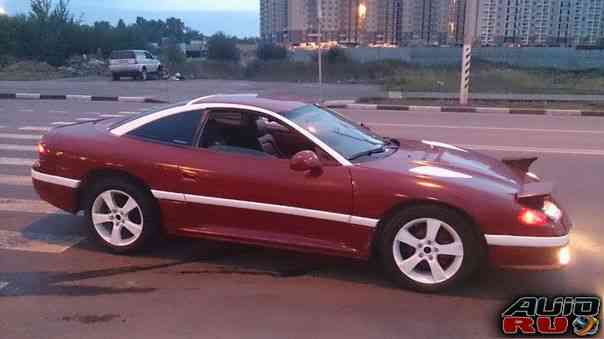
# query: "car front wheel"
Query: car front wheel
429,248
121,216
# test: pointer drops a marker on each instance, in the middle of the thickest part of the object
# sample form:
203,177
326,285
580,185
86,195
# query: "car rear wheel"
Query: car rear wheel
142,76
429,248
121,215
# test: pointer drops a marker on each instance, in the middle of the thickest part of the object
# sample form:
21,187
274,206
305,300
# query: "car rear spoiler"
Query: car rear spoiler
520,164
535,190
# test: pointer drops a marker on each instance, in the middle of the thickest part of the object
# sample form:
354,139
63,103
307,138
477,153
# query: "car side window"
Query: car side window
148,55
252,134
179,129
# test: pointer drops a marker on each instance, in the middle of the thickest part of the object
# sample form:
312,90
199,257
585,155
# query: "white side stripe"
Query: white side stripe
53,179
257,206
35,128
522,241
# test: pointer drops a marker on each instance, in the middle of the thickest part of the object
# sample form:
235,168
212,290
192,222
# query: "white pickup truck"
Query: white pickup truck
138,64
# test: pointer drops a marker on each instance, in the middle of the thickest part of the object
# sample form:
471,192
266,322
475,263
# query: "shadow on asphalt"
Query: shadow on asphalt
182,255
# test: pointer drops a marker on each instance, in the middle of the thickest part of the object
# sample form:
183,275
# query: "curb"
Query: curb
458,109
78,97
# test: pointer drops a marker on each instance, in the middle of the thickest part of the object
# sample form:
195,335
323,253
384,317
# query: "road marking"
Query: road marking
521,149
111,116
15,180
26,110
20,136
57,111
379,124
35,128
26,206
37,242
23,148
63,123
92,113
128,112
87,119
17,161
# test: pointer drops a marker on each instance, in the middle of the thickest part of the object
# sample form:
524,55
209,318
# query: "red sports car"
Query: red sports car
290,175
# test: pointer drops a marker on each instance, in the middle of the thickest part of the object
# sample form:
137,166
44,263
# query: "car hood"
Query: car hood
447,162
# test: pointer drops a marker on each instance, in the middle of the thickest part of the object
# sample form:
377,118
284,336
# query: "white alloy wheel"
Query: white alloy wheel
428,251
117,218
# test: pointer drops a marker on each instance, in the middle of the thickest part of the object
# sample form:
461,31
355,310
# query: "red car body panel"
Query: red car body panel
366,190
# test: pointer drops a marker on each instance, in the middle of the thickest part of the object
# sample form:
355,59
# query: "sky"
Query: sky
234,17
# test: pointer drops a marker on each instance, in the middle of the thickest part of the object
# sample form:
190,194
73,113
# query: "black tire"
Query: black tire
148,209
143,75
116,77
472,249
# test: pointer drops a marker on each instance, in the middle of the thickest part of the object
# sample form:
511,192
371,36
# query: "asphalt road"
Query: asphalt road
55,283
175,91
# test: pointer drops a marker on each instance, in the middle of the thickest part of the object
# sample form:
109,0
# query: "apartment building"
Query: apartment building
273,20
541,23
432,22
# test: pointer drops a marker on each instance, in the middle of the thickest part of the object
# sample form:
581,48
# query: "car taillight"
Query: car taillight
42,149
531,217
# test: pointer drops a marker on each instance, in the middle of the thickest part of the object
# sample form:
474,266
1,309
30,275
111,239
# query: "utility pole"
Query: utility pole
470,28
319,19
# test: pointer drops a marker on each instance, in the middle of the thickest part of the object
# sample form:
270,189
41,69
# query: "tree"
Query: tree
222,47
269,51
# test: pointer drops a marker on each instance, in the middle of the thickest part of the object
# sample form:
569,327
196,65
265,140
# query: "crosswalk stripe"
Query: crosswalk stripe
20,136
37,242
63,123
111,116
11,147
15,180
35,128
17,161
26,206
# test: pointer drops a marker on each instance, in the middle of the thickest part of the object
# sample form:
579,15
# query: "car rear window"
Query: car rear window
122,55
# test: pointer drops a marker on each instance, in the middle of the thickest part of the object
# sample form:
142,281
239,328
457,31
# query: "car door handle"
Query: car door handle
188,174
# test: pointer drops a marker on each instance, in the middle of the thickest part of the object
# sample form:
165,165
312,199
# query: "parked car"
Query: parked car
301,177
138,64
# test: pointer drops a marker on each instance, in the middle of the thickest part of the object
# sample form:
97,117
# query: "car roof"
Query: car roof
280,106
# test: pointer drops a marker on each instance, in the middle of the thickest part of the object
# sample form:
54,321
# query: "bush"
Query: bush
336,55
269,51
172,57
221,47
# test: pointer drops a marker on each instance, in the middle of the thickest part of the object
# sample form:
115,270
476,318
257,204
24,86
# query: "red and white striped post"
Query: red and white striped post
470,28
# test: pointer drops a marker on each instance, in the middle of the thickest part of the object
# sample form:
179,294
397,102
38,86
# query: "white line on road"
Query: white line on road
128,112
23,148
87,119
111,116
521,149
92,113
35,128
63,123
57,111
28,110
379,124
20,136
37,242
26,206
15,180
17,161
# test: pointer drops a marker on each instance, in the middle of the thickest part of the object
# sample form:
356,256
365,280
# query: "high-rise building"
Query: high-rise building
345,21
541,23
273,20
432,22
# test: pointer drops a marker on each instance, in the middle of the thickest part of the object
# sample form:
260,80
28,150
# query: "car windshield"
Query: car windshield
344,136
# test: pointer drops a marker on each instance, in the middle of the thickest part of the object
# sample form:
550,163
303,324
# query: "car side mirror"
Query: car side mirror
306,161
